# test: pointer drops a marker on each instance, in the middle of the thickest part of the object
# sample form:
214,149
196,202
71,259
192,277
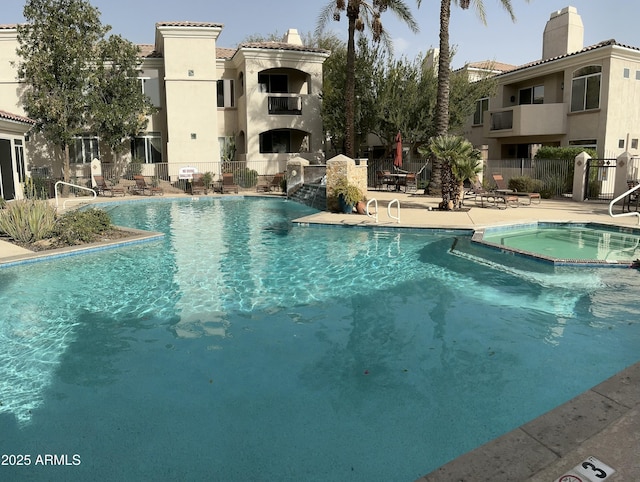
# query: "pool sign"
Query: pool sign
590,470
187,172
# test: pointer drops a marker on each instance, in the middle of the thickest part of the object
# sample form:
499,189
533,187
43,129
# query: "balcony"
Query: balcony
528,120
285,104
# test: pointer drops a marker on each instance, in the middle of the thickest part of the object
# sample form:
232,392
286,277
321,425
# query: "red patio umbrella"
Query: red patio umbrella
397,161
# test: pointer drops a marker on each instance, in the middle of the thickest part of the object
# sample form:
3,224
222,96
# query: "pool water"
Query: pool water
244,347
570,241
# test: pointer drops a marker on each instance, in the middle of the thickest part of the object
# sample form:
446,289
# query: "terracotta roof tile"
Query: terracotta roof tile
281,46
604,43
148,51
189,24
14,117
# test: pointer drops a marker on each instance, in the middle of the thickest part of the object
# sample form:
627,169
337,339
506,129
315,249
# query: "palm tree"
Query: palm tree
462,162
444,71
361,14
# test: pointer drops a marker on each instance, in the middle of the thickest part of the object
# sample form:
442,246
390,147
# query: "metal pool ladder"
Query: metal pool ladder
375,214
622,196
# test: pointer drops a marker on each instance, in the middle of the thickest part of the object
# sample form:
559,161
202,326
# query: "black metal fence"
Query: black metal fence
556,175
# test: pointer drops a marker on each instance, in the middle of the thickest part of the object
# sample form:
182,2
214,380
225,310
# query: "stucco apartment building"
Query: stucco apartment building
261,98
573,96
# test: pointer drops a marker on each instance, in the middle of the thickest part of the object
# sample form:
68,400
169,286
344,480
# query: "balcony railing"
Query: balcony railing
501,120
285,104
529,120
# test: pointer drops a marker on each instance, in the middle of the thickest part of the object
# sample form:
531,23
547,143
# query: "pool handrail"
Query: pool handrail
64,204
395,200
375,201
622,196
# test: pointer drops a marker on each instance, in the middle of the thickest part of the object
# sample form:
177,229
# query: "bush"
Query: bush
525,184
246,177
551,152
77,227
28,220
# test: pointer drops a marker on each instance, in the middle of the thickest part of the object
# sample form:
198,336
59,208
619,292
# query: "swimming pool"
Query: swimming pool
567,243
243,347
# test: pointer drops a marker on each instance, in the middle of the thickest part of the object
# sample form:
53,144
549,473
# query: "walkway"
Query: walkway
603,422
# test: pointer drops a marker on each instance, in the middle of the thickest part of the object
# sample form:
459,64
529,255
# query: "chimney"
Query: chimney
292,37
563,34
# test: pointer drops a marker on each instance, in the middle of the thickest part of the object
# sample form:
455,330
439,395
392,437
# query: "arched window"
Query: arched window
585,88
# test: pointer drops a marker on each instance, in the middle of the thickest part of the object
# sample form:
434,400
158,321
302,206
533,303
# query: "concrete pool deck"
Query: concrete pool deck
603,422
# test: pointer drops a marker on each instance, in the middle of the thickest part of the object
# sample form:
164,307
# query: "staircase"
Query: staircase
313,195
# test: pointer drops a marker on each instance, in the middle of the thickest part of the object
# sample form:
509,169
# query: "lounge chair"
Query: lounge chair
503,188
477,193
228,184
145,189
197,185
103,189
276,182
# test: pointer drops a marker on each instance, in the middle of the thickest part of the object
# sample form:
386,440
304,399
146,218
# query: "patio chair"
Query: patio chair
145,189
504,189
383,180
228,185
102,189
197,185
410,183
276,182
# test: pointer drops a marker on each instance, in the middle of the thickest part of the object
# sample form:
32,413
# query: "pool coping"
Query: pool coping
603,422
138,236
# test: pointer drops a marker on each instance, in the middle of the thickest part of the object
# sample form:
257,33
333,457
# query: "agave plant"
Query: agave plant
28,220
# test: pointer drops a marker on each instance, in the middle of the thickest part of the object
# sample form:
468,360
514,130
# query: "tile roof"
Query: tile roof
491,65
604,43
148,51
189,24
16,118
281,46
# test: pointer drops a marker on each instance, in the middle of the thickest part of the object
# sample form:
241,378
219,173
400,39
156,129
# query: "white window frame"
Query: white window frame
581,84
227,96
85,148
148,142
482,106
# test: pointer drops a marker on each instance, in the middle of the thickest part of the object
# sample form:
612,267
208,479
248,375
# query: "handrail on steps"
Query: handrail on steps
622,196
389,209
375,201
64,204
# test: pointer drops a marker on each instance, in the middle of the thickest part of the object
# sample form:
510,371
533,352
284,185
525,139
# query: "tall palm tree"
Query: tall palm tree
361,14
444,73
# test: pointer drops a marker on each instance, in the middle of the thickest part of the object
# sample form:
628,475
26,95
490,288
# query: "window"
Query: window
482,106
83,149
275,141
621,143
531,95
273,83
226,93
151,86
634,143
147,148
585,88
19,152
625,73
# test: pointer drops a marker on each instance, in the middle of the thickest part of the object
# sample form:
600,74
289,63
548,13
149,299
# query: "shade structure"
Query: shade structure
397,160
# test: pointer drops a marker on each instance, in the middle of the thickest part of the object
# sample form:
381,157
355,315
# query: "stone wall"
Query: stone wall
342,166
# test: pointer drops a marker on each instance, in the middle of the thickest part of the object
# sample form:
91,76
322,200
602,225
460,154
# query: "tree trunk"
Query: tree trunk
350,83
442,99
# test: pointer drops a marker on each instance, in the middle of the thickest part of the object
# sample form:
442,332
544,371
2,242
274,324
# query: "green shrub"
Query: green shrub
77,227
28,220
246,177
525,184
551,152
